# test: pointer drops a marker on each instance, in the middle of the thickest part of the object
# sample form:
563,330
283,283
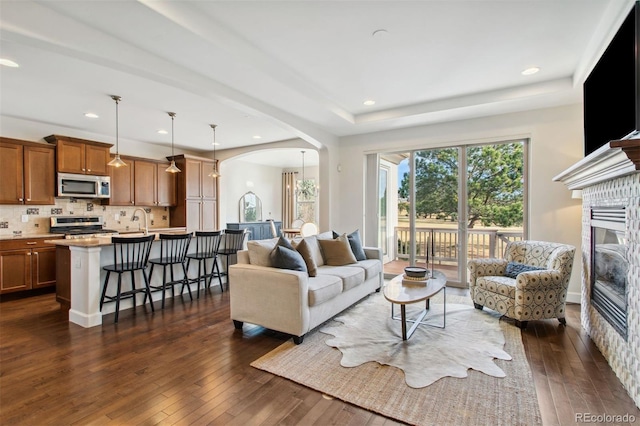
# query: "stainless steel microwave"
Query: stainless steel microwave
83,186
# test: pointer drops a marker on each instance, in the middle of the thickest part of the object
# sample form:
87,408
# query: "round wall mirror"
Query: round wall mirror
250,208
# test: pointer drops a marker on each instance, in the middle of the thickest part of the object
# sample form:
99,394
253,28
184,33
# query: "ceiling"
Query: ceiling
267,71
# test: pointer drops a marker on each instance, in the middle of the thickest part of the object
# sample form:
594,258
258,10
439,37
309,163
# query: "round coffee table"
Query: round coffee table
402,293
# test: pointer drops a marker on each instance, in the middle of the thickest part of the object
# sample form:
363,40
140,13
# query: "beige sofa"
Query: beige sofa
291,301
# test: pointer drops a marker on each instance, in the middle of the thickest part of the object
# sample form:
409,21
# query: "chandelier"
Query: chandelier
306,188
117,161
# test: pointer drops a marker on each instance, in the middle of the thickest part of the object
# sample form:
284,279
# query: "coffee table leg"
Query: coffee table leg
403,314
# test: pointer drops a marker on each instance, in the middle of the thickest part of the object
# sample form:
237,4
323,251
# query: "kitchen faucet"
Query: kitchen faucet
146,222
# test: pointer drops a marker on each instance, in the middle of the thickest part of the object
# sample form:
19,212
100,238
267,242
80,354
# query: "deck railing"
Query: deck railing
443,242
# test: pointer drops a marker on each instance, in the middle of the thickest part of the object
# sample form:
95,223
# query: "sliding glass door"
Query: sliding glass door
458,203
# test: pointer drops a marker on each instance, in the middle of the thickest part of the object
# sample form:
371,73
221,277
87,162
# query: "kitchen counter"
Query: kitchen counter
106,241
81,275
29,236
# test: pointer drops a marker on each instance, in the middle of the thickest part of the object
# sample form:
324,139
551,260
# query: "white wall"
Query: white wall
556,143
239,177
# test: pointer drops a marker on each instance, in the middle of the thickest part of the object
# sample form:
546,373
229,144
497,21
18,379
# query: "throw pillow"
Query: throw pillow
337,252
285,258
514,268
356,244
282,242
304,249
259,251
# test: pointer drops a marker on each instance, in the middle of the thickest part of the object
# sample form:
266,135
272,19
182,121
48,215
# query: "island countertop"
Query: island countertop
105,241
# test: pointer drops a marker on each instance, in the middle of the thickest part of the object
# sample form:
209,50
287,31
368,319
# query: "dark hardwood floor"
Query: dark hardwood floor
187,365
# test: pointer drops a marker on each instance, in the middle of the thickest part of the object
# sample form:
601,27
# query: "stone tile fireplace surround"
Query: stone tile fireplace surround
610,176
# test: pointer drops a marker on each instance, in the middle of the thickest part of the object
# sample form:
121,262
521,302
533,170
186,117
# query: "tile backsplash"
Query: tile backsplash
37,217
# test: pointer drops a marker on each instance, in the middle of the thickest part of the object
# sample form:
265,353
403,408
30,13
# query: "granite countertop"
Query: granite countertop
105,241
28,236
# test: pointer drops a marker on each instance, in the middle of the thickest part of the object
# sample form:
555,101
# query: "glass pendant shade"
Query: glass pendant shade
214,173
172,167
116,161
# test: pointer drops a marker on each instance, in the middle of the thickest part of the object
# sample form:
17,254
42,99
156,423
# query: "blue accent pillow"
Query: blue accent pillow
514,268
355,243
285,258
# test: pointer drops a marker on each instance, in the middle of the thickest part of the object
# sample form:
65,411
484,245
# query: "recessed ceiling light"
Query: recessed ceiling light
369,102
91,115
162,132
8,63
530,71
215,143
381,33
257,137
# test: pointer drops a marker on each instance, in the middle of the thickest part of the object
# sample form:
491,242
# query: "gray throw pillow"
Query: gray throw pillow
514,268
285,258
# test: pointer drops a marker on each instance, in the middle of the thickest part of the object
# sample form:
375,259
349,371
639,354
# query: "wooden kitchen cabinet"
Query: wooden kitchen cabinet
27,264
80,156
142,182
196,205
122,192
27,173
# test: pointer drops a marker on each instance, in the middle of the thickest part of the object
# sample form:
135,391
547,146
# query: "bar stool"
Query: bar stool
233,242
129,255
207,244
173,251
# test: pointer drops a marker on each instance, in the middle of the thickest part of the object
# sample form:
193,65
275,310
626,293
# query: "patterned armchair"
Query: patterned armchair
531,295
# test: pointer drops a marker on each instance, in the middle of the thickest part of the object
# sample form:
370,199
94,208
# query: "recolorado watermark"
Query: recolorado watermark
605,418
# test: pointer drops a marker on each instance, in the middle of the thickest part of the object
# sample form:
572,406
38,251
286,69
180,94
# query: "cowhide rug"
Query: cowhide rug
471,339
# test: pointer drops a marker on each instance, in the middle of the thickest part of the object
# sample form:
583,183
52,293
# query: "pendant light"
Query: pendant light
214,173
172,167
117,161
303,189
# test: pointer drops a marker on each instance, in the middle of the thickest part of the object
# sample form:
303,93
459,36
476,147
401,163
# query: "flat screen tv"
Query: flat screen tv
612,90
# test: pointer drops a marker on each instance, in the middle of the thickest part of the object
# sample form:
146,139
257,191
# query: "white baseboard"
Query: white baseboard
573,297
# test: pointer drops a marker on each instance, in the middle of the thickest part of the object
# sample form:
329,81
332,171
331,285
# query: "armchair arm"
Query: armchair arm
270,297
535,280
485,267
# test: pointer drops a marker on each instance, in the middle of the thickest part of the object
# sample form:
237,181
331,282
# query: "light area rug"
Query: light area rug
504,394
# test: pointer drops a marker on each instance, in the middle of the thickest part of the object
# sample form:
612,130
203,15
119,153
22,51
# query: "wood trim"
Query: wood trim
26,143
53,139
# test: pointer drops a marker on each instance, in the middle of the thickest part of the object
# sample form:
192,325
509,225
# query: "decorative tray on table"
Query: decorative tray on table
415,275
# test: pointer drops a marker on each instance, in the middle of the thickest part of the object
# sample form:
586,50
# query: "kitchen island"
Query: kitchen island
80,276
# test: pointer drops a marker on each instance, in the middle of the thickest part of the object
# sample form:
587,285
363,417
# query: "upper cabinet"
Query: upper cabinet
80,156
27,173
142,182
196,205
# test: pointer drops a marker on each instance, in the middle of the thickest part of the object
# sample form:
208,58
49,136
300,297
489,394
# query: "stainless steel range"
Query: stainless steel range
80,227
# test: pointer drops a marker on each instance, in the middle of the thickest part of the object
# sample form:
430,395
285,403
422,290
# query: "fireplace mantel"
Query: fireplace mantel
615,159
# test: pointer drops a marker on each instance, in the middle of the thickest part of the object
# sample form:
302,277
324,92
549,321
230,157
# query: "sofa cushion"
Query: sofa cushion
304,248
355,242
282,242
323,288
498,284
337,252
514,268
372,267
350,276
259,251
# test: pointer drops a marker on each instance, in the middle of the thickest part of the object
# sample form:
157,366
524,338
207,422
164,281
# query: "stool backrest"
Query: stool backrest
233,239
131,253
208,242
174,247
274,232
